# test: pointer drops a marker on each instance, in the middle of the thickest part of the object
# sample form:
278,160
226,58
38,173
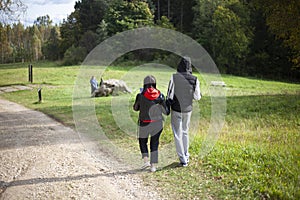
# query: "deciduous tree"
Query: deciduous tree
90,14
11,10
51,49
283,19
124,16
222,27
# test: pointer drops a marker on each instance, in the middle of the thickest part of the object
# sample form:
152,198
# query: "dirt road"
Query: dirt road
42,159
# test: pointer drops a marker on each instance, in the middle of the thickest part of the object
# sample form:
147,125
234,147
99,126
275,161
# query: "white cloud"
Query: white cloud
56,9
43,2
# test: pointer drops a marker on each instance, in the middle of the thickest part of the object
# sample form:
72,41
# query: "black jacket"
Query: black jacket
184,90
151,104
183,86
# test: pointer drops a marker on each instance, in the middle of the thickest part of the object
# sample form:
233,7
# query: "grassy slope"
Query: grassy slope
256,156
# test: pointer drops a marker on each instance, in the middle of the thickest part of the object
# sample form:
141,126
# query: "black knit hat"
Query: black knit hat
149,81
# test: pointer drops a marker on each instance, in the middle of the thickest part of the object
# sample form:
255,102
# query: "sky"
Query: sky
56,9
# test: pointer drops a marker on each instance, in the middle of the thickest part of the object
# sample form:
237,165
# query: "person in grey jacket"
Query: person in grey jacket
182,90
94,84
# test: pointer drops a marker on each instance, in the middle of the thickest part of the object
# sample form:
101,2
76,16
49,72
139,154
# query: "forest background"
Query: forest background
244,37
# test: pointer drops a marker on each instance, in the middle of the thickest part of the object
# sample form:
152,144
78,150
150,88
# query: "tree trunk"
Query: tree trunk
181,16
168,9
158,10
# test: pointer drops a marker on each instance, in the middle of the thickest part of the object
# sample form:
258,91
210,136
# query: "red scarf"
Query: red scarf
152,93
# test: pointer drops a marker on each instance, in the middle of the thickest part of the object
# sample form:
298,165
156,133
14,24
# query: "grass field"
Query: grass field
257,155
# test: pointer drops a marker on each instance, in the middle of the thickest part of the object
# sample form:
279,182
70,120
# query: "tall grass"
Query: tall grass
257,155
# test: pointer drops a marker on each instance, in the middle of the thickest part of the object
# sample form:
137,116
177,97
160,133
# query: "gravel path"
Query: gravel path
42,159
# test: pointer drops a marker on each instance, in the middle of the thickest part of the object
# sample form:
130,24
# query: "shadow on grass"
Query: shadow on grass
171,166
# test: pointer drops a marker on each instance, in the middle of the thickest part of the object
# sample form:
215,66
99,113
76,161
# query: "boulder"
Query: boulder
111,87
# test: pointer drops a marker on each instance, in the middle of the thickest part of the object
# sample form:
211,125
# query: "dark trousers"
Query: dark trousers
154,130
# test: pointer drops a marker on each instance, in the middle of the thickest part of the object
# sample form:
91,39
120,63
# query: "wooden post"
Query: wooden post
40,94
30,72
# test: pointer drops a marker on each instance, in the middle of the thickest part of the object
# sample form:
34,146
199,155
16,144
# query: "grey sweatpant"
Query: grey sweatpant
180,126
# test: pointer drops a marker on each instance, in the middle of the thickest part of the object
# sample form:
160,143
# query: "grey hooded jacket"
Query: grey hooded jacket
183,87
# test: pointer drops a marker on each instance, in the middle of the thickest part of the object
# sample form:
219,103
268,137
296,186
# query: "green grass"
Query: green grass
257,155
56,83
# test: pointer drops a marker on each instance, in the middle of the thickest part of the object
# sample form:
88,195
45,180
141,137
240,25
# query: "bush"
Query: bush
74,55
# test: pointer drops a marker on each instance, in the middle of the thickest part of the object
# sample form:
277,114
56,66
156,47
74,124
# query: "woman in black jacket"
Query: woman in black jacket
151,104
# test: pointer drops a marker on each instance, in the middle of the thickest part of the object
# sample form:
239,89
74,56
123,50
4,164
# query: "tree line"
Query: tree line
244,37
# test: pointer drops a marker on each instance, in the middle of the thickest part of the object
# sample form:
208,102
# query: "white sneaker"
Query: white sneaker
153,168
184,164
146,165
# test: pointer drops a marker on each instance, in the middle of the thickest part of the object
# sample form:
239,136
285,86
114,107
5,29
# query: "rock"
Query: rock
217,83
111,87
